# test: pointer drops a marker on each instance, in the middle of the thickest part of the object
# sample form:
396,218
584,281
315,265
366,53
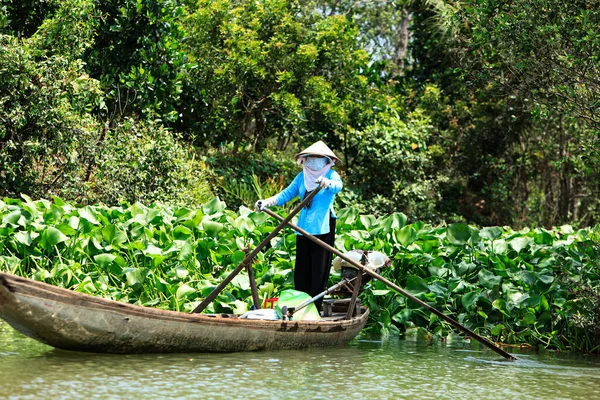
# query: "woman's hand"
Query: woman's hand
262,204
323,182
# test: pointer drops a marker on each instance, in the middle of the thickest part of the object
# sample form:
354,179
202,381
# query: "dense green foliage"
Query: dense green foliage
523,126
45,96
52,139
270,70
474,112
136,57
532,286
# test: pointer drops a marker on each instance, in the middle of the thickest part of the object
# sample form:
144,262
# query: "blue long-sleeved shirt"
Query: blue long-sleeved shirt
315,219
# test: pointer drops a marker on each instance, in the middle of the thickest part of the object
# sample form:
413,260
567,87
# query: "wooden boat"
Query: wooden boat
75,321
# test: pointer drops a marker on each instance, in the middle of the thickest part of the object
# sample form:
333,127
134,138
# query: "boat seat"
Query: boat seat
331,306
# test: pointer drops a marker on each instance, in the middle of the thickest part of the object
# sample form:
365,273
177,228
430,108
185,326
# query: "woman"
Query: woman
313,262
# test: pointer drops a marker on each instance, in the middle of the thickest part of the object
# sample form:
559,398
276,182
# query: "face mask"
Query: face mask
316,163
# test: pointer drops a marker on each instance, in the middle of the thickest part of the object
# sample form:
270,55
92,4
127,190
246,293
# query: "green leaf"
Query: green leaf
212,228
499,246
152,251
458,234
470,299
406,236
380,292
214,206
416,285
496,330
394,221
519,243
244,224
51,237
181,272
241,281
403,316
542,236
239,307
518,298
529,318
66,229
528,277
112,235
181,233
87,214
104,260
237,256
500,305
187,252
24,238
491,232
367,221
488,279
184,291
135,276
12,217
534,301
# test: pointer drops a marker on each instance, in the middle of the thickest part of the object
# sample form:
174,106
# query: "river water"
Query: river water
365,369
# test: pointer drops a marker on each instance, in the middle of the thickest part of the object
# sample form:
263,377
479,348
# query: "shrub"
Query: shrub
241,178
143,161
45,128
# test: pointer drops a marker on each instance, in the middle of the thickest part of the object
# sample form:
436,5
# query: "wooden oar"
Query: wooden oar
250,256
375,275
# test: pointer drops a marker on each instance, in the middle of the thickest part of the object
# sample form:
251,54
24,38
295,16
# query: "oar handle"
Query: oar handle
250,256
374,274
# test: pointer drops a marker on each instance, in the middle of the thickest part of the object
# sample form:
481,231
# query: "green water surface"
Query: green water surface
365,369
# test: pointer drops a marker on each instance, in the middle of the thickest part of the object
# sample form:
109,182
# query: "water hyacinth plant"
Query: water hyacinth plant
534,286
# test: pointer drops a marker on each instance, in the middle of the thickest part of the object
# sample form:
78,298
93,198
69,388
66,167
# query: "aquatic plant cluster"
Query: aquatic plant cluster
534,286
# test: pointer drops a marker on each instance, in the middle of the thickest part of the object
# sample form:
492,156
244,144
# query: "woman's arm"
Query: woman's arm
290,192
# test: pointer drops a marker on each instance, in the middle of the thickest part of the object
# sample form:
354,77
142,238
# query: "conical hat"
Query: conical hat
320,149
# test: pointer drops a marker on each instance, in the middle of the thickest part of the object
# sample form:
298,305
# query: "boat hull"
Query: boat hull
74,321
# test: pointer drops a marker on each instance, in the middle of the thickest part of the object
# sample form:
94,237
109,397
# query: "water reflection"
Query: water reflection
367,368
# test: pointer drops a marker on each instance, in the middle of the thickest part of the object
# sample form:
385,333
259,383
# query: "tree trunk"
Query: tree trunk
564,179
402,46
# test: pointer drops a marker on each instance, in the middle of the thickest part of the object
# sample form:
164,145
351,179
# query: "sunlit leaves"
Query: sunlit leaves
406,235
184,291
277,63
491,233
104,260
212,228
214,206
520,243
172,258
51,237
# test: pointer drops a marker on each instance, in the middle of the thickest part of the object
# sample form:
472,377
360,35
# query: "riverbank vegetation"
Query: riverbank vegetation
468,133
533,286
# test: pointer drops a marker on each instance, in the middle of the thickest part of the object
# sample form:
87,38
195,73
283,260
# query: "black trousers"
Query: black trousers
313,263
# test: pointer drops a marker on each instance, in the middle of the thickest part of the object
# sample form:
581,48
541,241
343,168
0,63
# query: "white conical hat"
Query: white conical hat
320,149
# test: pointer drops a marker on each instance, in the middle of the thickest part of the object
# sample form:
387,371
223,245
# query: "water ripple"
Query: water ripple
375,369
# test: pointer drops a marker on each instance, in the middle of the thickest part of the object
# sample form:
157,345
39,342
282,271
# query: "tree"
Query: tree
45,98
137,58
541,57
22,18
270,70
